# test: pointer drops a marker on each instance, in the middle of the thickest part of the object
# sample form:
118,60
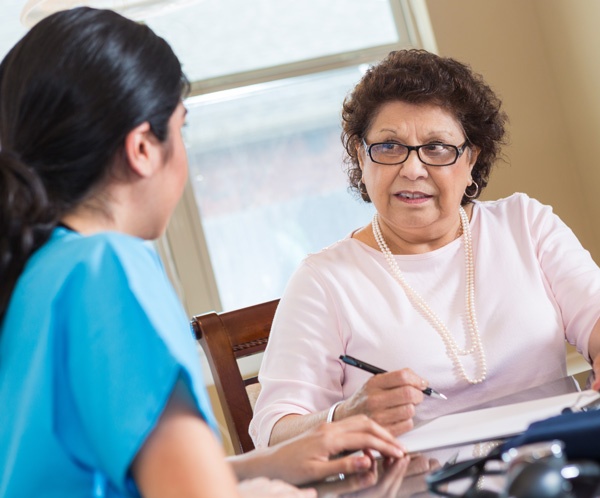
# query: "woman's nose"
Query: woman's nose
413,168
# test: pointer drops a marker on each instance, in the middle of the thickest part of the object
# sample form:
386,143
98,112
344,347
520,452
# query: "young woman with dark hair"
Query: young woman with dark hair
100,383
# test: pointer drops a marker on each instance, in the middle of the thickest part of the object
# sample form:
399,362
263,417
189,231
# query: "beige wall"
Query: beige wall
541,57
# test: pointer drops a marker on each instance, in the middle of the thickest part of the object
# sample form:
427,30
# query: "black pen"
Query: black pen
349,360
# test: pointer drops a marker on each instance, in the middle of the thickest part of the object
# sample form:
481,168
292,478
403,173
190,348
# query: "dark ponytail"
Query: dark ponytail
25,217
70,92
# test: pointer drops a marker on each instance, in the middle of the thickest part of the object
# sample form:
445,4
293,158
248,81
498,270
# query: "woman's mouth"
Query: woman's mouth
413,197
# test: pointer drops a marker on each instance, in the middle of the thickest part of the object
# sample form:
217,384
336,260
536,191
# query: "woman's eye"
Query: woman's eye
392,148
433,147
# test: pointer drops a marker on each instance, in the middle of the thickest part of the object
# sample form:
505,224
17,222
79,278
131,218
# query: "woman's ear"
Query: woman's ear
359,155
474,154
142,150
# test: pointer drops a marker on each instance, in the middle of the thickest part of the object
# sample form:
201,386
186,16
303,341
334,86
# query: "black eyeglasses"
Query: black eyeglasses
434,154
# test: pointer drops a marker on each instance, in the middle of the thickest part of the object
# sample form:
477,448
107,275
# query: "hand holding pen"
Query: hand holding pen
390,399
349,360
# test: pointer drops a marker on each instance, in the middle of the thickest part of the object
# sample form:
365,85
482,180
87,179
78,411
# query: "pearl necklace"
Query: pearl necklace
452,349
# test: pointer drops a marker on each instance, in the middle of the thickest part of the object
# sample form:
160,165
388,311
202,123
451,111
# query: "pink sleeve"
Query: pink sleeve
300,372
570,272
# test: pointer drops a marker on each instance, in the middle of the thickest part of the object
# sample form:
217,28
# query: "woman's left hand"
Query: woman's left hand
596,373
594,352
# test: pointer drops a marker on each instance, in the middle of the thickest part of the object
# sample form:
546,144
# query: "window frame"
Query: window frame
183,247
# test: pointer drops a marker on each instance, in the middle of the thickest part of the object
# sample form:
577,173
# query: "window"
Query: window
232,37
267,183
265,166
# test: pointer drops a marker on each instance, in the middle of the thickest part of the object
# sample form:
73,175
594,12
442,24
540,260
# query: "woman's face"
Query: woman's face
418,203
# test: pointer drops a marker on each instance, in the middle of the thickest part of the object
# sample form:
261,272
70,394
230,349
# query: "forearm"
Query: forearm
292,425
594,352
389,399
252,464
594,342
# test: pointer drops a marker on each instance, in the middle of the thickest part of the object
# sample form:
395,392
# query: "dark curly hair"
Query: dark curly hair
420,77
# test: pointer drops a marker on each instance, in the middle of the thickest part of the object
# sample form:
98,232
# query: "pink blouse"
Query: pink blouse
535,286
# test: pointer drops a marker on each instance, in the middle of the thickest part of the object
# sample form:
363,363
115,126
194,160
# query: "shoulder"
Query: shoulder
107,263
339,264
524,218
122,247
512,202
344,250
114,278
512,208
97,252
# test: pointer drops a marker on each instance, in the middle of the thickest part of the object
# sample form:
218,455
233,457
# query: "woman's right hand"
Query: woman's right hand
389,399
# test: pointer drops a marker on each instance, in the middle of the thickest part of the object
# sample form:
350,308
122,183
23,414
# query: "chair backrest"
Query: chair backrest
225,337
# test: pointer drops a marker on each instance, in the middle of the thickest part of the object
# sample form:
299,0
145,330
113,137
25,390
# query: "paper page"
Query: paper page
489,423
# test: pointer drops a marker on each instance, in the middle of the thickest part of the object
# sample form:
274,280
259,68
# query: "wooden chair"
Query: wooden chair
225,337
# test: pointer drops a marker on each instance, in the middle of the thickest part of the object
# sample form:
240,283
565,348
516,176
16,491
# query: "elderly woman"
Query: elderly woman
473,298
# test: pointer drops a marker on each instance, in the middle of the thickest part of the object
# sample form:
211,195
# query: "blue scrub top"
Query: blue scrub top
91,346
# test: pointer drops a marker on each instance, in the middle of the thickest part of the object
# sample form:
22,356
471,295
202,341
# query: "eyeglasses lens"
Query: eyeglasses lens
431,154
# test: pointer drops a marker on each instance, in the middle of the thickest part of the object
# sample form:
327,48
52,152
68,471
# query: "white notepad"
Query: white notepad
489,423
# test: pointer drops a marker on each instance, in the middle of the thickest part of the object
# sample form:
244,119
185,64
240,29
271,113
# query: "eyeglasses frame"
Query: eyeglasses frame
459,152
